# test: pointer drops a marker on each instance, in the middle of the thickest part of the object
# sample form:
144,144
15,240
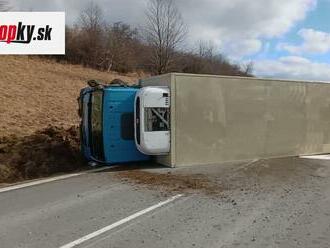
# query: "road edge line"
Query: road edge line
48,180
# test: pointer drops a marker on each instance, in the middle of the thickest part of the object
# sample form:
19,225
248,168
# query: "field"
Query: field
36,93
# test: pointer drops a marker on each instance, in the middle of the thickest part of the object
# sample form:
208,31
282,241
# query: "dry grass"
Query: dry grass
36,92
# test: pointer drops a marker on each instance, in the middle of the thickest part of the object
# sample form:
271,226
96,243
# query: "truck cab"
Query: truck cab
107,124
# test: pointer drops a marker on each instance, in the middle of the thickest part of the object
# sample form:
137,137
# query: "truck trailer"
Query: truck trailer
215,119
188,119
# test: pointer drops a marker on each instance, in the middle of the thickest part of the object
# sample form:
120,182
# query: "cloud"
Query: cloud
235,22
314,42
243,47
292,67
245,18
235,26
129,11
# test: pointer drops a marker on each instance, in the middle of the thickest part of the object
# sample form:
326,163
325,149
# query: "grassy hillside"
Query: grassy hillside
38,116
36,92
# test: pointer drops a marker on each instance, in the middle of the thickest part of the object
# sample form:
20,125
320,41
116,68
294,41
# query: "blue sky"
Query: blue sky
317,21
283,38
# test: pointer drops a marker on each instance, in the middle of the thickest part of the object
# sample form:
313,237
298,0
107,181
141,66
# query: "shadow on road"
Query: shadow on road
133,166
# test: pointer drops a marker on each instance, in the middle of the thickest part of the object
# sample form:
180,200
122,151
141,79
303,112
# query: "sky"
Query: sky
283,38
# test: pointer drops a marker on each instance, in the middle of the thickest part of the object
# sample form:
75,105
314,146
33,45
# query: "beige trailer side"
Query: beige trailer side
217,119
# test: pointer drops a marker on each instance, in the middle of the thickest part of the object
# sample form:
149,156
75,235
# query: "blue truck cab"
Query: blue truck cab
107,124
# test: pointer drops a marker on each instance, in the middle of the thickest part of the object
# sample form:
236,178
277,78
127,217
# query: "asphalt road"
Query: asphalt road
267,203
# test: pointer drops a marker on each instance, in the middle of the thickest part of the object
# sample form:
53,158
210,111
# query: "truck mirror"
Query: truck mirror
93,83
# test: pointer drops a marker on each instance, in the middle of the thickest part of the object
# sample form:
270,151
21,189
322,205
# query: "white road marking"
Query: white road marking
119,223
47,180
320,157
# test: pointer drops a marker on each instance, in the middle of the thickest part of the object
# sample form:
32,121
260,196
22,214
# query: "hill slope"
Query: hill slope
38,116
36,92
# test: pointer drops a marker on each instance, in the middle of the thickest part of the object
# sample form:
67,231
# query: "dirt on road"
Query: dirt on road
170,183
248,176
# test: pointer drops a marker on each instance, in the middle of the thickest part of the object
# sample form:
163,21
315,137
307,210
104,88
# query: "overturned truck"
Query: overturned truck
185,119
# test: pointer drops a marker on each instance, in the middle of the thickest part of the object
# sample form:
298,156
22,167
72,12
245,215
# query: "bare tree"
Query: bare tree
206,49
248,68
91,17
91,35
102,45
4,6
165,30
119,47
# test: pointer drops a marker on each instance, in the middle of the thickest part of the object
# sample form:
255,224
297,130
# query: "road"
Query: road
264,203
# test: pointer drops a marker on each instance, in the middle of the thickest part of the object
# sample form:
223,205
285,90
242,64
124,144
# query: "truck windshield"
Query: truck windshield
96,123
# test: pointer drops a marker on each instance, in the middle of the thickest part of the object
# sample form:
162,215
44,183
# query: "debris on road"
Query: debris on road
169,182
